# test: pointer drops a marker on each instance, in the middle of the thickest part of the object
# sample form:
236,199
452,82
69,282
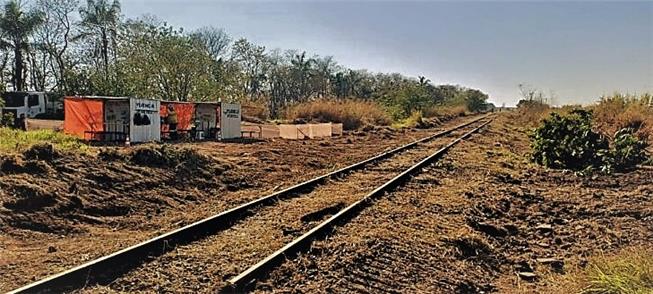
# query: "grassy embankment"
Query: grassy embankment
15,141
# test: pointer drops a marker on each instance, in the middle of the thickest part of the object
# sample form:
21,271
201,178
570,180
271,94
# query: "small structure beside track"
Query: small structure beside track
122,119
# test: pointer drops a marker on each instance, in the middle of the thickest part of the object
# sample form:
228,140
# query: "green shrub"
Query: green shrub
628,150
415,120
403,102
568,142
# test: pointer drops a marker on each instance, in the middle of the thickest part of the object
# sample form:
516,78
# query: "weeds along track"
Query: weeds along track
209,255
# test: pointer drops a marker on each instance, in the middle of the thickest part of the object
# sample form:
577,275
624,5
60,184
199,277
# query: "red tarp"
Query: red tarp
185,113
83,115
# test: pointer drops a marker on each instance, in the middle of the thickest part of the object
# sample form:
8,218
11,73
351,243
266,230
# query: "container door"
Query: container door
145,121
230,121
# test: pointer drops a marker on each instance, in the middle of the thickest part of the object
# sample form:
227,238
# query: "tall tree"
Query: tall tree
302,67
252,59
100,23
215,41
17,26
54,38
476,100
324,69
162,62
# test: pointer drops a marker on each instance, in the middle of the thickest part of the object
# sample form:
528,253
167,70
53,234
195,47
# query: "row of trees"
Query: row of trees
90,49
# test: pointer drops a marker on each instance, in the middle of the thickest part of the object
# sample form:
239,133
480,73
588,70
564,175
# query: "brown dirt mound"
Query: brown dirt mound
48,191
41,152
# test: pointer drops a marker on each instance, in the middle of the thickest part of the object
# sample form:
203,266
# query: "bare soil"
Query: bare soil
483,219
205,266
59,209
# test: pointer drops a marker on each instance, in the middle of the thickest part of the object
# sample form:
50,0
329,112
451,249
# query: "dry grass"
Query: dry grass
530,115
255,112
351,113
629,271
445,111
619,111
431,116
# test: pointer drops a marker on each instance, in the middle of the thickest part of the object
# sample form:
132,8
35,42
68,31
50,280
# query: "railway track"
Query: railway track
287,217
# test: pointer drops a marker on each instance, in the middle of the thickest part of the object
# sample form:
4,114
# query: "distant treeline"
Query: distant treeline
89,48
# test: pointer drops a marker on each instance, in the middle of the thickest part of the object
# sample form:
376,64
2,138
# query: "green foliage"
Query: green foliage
99,24
568,141
407,100
161,62
421,96
628,150
18,141
415,120
7,120
476,100
17,26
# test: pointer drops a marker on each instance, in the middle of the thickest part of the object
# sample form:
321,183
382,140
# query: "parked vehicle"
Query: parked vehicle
32,104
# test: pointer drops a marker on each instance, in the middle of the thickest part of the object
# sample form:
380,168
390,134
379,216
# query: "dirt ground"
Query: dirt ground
59,210
205,266
483,219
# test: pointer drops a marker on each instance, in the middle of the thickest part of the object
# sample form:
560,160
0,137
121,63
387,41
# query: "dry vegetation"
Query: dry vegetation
483,219
353,114
445,111
619,111
629,271
255,112
610,114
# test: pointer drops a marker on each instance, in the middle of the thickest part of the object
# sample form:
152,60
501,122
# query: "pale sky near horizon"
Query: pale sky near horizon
577,50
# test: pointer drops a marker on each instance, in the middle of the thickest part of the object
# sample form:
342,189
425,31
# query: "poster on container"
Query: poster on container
145,123
230,120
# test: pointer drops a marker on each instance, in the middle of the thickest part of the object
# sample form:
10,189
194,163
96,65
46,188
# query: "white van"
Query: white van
29,103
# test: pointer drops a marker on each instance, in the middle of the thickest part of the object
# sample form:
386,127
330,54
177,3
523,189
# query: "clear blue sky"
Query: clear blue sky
578,50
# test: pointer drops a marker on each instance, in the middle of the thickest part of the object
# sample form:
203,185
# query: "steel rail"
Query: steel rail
244,280
105,269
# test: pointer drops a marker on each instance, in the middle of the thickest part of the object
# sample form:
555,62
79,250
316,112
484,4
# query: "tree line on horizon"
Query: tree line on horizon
87,47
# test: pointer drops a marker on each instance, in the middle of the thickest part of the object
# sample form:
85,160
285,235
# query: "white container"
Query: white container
230,117
145,120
